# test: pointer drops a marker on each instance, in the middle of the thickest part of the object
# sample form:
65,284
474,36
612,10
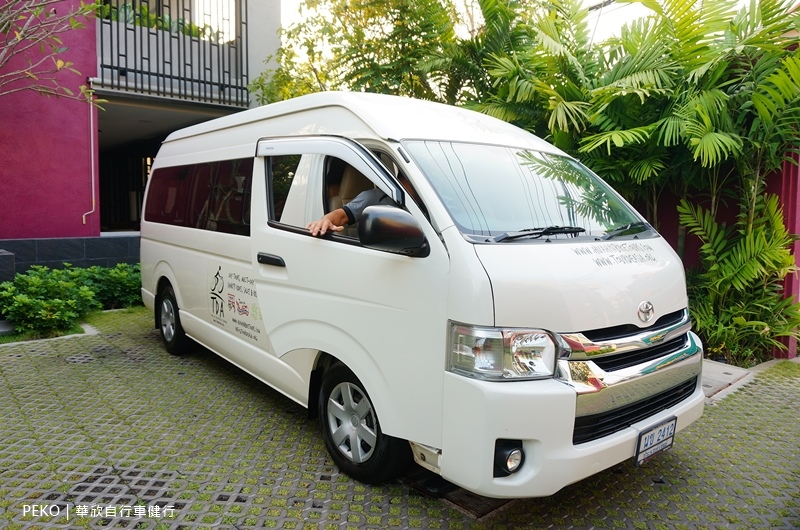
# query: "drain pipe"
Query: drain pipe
90,105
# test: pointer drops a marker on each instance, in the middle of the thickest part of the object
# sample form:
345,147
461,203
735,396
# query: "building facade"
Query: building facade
74,174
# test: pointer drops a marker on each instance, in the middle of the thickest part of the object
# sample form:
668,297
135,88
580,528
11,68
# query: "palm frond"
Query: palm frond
713,147
700,222
616,138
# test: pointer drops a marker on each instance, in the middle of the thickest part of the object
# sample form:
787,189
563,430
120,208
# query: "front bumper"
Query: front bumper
542,414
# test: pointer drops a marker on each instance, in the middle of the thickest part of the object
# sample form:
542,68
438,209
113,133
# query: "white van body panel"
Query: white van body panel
388,317
361,115
585,286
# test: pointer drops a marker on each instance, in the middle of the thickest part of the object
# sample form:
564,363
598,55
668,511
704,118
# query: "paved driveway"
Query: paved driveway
109,431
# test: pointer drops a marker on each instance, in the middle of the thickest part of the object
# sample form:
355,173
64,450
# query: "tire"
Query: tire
169,322
352,432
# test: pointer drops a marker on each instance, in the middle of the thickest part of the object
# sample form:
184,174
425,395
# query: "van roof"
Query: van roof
372,115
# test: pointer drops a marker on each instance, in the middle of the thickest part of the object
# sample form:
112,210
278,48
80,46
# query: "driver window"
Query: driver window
343,183
282,171
321,177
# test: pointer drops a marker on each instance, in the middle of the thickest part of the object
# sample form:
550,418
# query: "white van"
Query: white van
504,317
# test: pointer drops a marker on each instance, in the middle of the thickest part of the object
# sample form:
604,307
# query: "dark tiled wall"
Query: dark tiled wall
17,255
6,265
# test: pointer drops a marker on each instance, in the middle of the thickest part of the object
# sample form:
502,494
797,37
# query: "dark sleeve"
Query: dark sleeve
354,208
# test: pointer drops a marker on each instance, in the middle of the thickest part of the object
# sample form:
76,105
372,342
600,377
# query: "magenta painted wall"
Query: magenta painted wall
787,185
48,149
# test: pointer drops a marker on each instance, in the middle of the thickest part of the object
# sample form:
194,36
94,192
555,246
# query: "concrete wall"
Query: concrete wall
263,39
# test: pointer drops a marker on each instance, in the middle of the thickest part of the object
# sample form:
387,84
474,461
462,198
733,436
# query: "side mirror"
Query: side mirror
392,229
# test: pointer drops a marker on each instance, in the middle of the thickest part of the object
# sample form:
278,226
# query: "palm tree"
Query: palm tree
460,68
700,100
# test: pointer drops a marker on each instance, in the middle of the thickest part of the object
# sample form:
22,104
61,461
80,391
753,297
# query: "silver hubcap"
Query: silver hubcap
352,422
167,320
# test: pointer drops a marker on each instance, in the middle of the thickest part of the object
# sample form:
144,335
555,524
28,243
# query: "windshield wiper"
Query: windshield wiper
628,229
535,233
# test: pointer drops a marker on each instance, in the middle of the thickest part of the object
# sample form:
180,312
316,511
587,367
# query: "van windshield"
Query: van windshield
496,193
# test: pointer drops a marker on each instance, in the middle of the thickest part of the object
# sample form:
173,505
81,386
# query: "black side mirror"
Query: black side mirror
392,229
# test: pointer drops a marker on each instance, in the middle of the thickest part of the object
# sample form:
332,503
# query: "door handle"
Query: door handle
270,259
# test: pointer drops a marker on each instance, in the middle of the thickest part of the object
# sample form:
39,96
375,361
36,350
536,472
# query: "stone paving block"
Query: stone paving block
110,420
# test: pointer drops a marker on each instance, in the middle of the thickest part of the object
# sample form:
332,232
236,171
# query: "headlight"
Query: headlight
503,354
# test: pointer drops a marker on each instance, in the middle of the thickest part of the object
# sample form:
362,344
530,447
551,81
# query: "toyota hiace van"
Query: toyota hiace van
504,319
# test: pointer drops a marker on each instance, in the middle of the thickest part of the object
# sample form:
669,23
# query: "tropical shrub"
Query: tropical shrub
737,300
114,287
44,301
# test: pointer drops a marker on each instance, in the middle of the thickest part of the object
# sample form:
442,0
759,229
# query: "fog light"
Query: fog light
508,457
514,460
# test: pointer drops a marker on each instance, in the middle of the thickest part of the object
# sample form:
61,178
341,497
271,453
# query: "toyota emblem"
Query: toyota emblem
646,312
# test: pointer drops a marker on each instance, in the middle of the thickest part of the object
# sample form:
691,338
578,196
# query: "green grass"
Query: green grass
786,369
95,318
32,335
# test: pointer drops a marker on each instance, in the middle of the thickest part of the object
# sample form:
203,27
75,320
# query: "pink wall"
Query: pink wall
787,185
47,153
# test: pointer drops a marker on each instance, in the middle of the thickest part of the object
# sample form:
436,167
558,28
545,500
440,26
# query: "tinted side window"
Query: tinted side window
211,196
168,195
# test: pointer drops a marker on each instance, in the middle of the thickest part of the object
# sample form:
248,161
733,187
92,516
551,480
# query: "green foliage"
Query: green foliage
737,298
142,16
44,301
363,45
386,42
114,287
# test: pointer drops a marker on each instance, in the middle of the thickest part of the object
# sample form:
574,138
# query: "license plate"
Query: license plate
655,440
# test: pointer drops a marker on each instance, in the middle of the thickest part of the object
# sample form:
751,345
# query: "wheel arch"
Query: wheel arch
163,276
337,346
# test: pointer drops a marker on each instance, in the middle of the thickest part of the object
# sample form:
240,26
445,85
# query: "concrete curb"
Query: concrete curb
721,380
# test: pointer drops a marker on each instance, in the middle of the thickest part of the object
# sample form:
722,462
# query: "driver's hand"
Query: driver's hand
321,226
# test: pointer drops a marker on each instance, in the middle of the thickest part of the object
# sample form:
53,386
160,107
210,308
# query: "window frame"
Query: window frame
350,151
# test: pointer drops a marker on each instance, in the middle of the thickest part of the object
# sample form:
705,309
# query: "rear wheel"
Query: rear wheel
169,322
352,432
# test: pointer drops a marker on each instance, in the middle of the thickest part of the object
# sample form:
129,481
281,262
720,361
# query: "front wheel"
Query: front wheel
352,432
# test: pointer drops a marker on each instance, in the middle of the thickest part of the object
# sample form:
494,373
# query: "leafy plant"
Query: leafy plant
114,287
44,301
737,298
363,45
142,16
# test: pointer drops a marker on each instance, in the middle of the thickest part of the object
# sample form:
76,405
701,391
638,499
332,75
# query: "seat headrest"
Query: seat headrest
352,184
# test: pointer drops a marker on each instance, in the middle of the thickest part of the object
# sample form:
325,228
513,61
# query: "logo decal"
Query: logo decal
646,311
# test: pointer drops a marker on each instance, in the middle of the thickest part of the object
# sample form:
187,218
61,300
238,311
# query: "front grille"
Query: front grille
618,332
596,426
625,360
